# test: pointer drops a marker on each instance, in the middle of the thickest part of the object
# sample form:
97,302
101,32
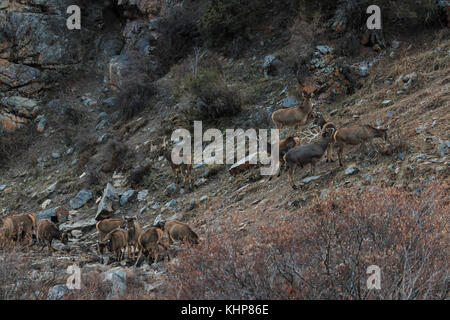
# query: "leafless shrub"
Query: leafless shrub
12,142
115,156
15,277
134,96
323,251
137,175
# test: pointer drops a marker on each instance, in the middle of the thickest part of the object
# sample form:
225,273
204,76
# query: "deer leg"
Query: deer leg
139,256
330,148
156,252
340,150
291,177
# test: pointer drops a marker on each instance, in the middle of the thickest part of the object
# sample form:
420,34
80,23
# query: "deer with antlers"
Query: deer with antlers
324,125
306,154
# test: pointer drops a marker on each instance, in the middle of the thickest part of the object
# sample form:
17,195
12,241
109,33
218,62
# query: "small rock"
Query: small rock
324,49
2,187
192,204
203,199
199,182
117,276
125,196
395,44
172,187
363,70
56,155
289,102
401,156
157,219
103,138
101,125
198,165
57,292
77,234
390,114
309,179
442,148
41,124
411,76
46,203
80,199
420,129
143,209
102,115
386,102
155,205
352,169
142,195
171,203
420,157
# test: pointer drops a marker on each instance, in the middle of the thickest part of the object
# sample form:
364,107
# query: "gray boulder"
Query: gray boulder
108,203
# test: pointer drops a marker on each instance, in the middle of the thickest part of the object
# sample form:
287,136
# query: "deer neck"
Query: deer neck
306,105
324,142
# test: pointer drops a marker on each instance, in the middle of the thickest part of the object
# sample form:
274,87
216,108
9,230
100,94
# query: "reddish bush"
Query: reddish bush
323,251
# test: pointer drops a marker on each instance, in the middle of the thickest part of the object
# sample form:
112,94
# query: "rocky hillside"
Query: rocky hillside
84,114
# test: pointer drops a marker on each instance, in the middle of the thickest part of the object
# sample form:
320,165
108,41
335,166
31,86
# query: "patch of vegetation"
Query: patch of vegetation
12,142
116,156
200,80
134,96
324,250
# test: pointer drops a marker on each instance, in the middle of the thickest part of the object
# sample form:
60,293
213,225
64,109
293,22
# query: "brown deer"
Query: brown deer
134,231
178,231
306,154
20,226
294,116
183,169
149,242
47,231
324,125
356,135
105,226
283,147
115,241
